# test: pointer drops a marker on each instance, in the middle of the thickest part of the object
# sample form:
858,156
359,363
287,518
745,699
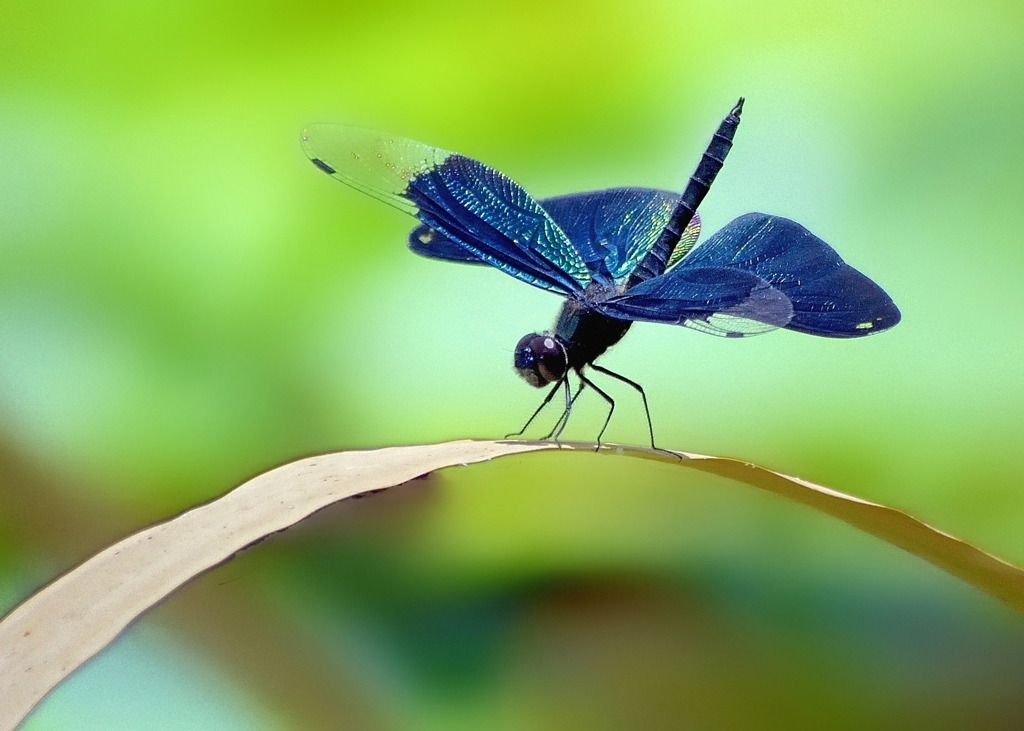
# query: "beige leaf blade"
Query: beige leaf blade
52,633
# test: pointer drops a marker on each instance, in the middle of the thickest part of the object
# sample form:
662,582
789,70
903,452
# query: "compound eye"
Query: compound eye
551,356
540,359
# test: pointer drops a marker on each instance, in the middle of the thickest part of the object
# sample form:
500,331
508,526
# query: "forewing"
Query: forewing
687,240
430,242
622,223
829,297
716,300
468,203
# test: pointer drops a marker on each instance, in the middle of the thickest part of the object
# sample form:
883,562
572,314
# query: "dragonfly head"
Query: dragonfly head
540,359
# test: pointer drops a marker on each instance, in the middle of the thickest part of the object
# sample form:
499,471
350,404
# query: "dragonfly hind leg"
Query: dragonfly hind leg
643,396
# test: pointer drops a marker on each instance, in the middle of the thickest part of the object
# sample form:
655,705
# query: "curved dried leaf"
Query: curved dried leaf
53,632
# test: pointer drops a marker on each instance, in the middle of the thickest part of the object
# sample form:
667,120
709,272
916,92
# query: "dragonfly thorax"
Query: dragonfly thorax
540,359
585,332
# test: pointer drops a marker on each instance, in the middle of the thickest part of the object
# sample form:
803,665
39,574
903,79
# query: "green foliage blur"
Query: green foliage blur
185,301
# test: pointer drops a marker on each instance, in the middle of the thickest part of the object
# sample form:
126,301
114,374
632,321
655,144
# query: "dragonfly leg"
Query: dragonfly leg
563,420
606,397
545,402
647,410
639,388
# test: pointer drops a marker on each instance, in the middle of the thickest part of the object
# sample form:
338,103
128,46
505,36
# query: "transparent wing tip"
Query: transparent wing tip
376,163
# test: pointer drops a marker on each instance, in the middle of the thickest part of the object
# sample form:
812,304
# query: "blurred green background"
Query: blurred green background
185,301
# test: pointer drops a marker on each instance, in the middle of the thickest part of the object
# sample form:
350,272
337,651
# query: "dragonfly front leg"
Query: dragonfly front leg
545,402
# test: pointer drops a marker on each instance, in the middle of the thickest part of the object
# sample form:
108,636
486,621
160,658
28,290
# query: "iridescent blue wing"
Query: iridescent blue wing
430,242
470,204
829,297
759,273
718,300
621,223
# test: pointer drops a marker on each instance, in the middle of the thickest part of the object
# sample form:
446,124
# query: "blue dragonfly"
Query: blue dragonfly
617,256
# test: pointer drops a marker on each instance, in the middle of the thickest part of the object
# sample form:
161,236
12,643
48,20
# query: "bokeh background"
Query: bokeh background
185,301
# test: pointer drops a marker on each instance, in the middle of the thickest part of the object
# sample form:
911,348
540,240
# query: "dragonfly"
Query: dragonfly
617,256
